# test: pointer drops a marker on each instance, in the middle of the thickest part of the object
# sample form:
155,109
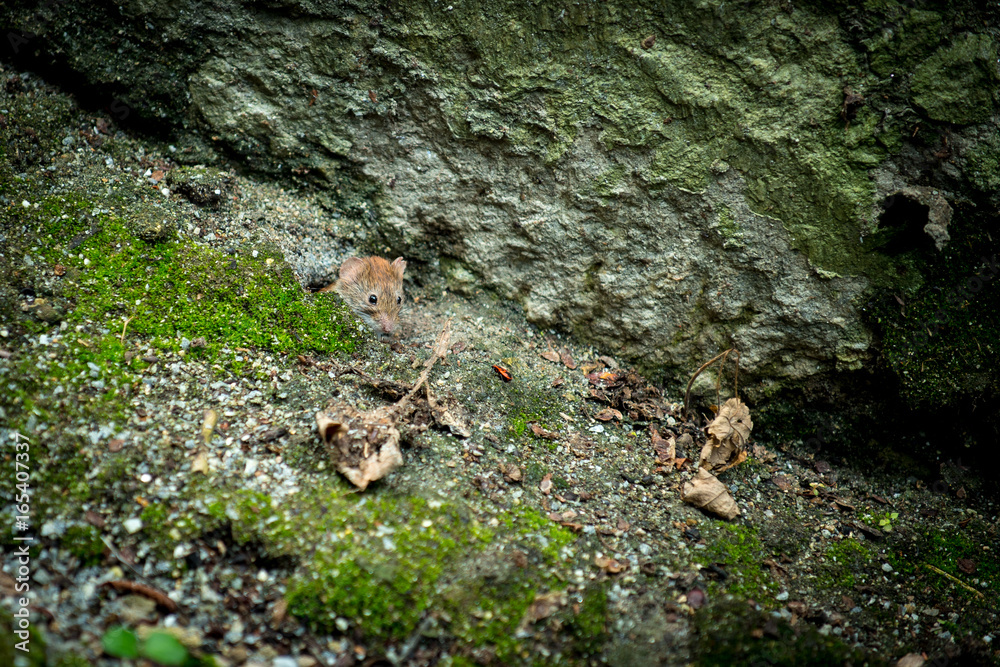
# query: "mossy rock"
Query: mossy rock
957,83
200,186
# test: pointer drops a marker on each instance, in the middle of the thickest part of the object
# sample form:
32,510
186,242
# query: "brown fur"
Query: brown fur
364,277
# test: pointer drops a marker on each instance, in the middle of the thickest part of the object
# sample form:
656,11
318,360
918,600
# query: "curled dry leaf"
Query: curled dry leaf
511,473
550,355
544,606
208,425
607,414
567,360
665,448
732,423
542,433
728,435
708,493
363,446
609,565
200,463
546,485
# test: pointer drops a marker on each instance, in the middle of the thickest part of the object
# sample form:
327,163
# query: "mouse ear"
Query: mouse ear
400,265
350,269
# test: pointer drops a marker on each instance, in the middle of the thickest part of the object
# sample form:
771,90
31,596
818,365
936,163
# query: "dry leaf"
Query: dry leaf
666,449
732,422
589,367
543,606
567,360
607,414
59,270
911,660
782,482
208,425
762,454
550,355
546,485
609,565
708,493
200,463
511,473
542,433
115,445
967,565
728,435
364,446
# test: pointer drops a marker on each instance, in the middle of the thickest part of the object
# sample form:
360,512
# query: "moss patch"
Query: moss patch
739,551
732,633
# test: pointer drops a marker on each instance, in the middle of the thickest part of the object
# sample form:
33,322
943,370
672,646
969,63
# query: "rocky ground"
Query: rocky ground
140,290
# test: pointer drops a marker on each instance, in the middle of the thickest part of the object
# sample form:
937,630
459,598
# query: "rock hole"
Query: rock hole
901,226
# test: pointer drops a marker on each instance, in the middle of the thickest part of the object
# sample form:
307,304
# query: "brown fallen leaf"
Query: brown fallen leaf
200,463
208,425
666,449
558,382
607,414
567,360
911,660
546,485
728,436
589,367
609,565
59,270
706,492
732,423
967,565
762,454
279,612
94,519
550,355
543,606
364,446
782,482
542,433
511,473
115,445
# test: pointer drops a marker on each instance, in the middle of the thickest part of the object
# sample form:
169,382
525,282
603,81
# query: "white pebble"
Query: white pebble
133,525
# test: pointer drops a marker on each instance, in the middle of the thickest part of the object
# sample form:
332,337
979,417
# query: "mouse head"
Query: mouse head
373,288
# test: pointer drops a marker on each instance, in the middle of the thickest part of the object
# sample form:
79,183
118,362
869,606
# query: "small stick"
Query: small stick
955,579
687,392
123,329
440,350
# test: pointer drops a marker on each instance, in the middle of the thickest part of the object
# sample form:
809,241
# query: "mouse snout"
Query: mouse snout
386,324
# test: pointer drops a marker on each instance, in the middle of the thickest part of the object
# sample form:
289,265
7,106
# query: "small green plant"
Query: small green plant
160,647
885,523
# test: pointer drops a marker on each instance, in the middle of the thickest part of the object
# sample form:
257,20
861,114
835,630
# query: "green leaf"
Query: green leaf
120,643
165,649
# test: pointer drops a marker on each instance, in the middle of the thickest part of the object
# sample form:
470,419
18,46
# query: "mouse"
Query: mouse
373,288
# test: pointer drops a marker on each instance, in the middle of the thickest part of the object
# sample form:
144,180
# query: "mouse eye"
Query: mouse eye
372,299
399,300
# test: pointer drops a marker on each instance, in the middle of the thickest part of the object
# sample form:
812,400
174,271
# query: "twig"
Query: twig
411,644
439,352
954,579
123,329
687,392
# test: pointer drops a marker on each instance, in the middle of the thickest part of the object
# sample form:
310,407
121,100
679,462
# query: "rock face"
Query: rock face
666,183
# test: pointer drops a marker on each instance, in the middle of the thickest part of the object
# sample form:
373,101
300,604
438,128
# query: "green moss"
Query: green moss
842,561
738,548
85,543
725,637
589,626
957,83
176,289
